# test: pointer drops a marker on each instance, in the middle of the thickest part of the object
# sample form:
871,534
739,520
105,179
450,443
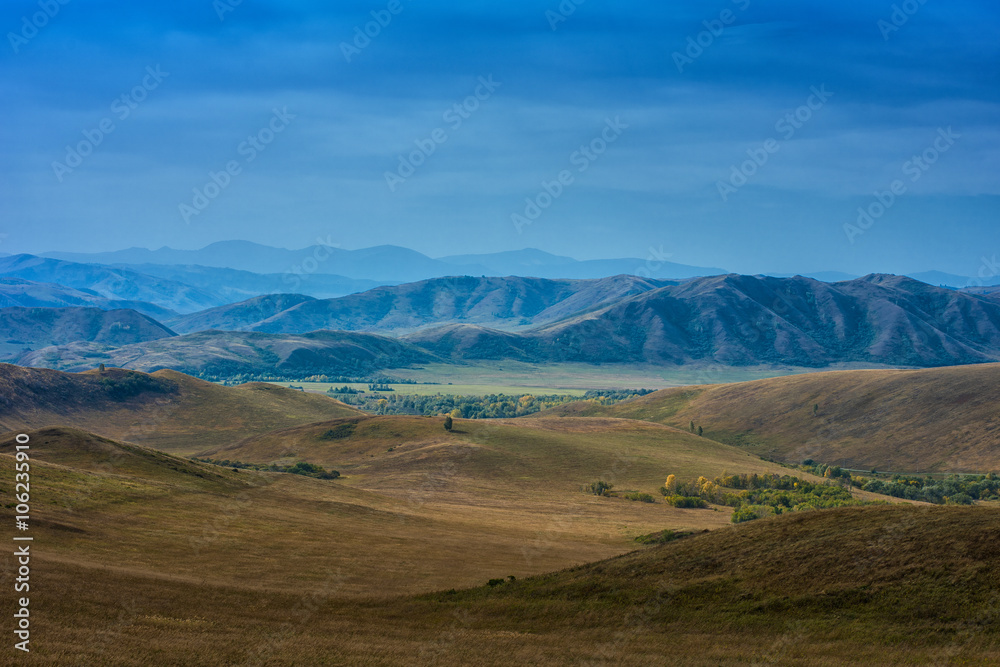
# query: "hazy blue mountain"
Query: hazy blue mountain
540,264
240,316
236,285
824,276
110,283
952,280
749,320
730,320
31,294
497,302
25,329
384,264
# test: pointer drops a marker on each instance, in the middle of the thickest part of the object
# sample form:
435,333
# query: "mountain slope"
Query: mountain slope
17,292
505,302
381,263
31,328
227,354
110,283
540,264
234,285
237,316
166,410
748,320
931,420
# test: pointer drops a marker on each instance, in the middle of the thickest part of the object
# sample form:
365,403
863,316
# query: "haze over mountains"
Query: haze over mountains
731,320
466,308
387,263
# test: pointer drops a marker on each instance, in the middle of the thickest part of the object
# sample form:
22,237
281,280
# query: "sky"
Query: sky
762,137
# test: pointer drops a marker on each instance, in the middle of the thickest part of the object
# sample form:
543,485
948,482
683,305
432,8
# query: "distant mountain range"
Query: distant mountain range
496,302
16,292
385,264
109,283
746,320
731,320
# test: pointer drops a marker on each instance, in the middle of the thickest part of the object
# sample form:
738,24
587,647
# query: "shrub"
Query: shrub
600,488
339,432
641,497
447,422
686,502
751,512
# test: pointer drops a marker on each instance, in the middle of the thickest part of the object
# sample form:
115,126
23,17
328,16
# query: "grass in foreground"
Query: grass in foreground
887,585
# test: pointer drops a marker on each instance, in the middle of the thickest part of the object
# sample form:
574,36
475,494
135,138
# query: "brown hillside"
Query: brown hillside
931,420
166,410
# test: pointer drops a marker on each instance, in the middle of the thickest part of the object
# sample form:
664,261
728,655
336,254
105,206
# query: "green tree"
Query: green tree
700,431
447,422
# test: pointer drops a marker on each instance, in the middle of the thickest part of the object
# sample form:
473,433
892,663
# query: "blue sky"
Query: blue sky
692,91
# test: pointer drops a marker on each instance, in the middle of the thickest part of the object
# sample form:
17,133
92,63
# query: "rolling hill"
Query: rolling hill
206,566
227,354
166,410
22,328
932,420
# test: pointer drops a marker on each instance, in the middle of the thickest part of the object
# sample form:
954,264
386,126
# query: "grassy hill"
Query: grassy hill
877,585
931,420
166,410
33,328
232,353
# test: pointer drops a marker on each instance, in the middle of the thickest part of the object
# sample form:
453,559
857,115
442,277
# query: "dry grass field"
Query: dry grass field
142,557
932,420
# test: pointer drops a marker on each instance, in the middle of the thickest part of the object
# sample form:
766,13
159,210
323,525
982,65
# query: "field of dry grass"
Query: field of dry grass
864,586
931,420
185,416
142,557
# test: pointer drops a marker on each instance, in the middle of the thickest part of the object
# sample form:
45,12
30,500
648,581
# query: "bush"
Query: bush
600,488
751,512
339,432
686,502
641,497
